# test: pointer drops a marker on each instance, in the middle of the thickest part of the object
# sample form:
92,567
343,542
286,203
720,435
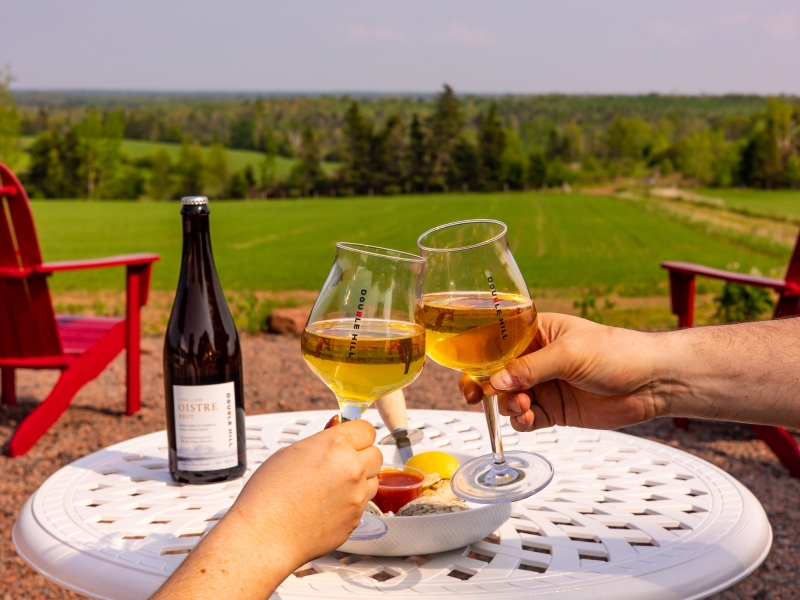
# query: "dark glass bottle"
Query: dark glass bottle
202,365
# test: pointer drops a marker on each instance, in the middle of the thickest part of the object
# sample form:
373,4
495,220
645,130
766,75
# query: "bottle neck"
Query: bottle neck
198,259
196,231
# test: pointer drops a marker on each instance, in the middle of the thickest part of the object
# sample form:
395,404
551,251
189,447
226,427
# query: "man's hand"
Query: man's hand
577,373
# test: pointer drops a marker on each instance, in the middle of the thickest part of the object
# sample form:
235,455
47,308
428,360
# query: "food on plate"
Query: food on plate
373,509
432,462
432,505
440,489
397,486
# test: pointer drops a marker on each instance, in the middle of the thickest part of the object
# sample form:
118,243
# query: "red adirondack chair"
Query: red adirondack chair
681,283
33,337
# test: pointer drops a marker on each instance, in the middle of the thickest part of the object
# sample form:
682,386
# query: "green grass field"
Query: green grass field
560,241
237,159
771,203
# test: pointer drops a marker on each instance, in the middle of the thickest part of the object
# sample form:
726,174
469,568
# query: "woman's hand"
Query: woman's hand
315,490
578,373
300,504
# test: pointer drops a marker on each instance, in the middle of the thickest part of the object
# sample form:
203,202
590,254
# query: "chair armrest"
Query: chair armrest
8,190
122,260
779,285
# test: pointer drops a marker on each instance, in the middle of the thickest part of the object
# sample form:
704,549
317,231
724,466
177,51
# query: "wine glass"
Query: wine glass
478,317
365,337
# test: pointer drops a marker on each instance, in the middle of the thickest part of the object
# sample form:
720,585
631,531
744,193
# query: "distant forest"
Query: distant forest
393,145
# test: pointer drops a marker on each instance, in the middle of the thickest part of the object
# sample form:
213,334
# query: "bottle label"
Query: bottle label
205,426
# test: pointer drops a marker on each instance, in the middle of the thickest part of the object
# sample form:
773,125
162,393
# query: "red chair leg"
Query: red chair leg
9,394
782,444
681,287
138,286
133,398
80,372
681,423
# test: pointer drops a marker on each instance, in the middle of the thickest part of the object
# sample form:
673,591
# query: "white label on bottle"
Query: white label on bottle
205,426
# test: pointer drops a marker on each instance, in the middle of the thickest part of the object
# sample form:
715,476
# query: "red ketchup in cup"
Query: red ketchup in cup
397,486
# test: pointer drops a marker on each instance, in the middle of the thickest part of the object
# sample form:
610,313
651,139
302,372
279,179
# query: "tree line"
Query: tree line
395,146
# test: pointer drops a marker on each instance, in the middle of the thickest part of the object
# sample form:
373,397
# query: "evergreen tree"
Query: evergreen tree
445,127
465,174
386,156
536,176
491,144
418,164
357,138
307,174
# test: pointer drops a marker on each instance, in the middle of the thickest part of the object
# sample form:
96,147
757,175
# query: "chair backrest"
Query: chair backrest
27,322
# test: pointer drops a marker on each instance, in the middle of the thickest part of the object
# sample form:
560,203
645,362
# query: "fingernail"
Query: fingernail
521,420
502,380
513,406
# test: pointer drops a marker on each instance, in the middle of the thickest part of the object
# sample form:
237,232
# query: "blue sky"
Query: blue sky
528,46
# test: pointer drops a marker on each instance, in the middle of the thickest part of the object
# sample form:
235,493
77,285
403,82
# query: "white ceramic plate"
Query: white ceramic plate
427,534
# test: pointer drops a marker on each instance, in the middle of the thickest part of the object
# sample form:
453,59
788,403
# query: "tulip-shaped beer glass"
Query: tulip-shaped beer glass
478,317
365,337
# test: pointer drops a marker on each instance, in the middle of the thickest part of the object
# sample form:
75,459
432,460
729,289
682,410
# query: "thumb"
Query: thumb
532,369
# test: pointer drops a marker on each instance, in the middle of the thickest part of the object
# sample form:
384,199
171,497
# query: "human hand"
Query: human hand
311,495
580,374
300,504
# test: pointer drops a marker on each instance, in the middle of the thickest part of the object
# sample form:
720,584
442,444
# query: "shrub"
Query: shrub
738,303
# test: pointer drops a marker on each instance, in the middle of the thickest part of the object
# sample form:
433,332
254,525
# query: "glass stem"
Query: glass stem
493,421
349,411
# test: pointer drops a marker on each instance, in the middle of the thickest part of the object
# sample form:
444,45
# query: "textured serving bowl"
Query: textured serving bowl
426,534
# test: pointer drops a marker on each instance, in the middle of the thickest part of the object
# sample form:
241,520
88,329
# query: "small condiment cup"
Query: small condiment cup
397,486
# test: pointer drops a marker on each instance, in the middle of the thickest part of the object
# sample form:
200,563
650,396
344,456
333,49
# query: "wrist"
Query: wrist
278,555
682,374
669,374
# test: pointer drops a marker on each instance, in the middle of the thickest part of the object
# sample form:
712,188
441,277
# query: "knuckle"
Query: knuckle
374,458
522,371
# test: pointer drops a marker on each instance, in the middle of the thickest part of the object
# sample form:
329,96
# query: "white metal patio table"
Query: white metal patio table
623,518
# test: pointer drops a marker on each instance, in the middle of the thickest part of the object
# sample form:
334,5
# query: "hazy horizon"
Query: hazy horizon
367,93
519,47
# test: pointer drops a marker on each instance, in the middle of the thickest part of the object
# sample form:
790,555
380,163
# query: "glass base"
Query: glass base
484,482
370,528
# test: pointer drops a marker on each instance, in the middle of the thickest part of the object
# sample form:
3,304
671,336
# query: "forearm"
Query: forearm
746,372
232,561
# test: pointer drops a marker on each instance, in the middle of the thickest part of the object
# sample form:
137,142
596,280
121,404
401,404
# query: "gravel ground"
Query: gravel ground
277,380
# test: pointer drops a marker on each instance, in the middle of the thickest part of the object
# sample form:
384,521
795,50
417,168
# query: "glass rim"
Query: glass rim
469,247
362,249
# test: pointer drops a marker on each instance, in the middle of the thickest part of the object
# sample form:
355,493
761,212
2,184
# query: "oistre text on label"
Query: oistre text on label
205,426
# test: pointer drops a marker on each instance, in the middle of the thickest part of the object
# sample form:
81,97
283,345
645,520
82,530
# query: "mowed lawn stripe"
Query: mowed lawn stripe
559,240
774,203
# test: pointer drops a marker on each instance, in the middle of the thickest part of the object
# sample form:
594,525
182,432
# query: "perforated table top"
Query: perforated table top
623,518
